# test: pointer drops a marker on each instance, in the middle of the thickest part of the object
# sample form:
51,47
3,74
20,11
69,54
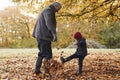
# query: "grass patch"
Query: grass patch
10,53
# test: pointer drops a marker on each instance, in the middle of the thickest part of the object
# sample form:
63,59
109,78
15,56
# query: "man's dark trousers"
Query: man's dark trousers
45,52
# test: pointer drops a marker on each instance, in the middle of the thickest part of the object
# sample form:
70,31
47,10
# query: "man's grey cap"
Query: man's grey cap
57,4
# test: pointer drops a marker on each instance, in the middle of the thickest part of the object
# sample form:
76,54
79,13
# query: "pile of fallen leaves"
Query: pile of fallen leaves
96,67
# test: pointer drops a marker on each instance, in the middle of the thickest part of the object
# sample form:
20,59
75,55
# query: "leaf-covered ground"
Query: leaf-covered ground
97,66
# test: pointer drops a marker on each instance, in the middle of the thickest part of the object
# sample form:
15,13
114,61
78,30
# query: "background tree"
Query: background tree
110,36
85,16
14,26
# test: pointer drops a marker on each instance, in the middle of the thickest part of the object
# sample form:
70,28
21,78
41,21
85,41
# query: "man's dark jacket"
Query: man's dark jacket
45,26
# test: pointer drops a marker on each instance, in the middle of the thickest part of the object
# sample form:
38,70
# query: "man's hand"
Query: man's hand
54,37
88,53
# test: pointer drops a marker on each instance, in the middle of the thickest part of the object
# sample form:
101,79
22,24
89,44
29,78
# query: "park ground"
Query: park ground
100,64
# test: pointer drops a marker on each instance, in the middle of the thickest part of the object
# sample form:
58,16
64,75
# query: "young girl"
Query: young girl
80,53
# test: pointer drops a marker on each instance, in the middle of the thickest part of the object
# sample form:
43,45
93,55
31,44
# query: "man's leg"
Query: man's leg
40,57
47,56
38,65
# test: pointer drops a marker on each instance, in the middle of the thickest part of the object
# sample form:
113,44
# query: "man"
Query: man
45,33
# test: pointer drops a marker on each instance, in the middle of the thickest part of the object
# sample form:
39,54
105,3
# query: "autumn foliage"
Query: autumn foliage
97,66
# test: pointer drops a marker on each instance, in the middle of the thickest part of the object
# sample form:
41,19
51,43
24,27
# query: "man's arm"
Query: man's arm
51,23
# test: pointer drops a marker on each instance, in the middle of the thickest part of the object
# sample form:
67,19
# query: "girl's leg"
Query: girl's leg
80,63
69,58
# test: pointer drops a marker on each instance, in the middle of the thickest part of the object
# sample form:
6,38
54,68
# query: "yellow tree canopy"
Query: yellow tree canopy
89,10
